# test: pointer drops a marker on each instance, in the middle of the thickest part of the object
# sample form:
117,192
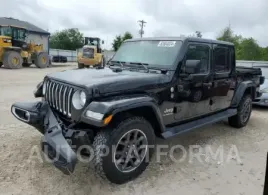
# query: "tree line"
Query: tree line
246,48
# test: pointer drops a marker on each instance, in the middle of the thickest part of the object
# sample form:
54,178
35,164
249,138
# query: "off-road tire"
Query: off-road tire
7,60
81,66
42,60
102,63
104,165
237,121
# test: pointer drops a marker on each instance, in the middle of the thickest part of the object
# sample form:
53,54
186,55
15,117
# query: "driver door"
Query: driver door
193,96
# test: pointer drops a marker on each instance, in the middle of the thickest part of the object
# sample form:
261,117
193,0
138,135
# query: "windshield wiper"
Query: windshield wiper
118,62
140,64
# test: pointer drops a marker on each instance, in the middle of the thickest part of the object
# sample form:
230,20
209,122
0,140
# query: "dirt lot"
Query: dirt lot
21,175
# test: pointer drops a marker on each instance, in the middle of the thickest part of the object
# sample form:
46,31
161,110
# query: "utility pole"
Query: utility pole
142,24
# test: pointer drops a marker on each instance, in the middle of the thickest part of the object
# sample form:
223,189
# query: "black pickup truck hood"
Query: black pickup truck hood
108,81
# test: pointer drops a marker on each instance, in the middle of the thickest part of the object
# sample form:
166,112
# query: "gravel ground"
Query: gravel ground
23,173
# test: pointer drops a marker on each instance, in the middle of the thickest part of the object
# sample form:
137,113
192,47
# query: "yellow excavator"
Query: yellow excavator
91,55
16,53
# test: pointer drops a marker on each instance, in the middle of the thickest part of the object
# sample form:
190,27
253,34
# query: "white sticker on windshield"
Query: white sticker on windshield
166,43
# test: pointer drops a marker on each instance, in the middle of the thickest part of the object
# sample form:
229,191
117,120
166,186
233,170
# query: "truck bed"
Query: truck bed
242,70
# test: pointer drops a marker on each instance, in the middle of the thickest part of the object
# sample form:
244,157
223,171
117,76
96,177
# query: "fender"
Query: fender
117,105
240,90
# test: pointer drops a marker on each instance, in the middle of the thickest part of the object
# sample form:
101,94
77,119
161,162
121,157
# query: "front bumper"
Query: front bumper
53,143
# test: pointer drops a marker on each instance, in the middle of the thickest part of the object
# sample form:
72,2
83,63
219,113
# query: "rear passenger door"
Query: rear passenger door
223,63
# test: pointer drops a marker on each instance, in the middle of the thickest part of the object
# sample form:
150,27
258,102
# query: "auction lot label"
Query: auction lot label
166,43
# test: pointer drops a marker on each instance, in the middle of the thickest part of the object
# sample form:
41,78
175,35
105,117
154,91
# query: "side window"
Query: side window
15,34
222,59
197,59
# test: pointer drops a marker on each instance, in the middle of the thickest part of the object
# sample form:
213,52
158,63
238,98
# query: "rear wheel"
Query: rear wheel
42,60
12,60
123,153
243,113
1,64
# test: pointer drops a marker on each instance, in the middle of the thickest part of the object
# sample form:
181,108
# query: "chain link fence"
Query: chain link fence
72,57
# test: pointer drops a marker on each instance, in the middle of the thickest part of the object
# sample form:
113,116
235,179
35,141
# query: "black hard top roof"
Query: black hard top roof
201,40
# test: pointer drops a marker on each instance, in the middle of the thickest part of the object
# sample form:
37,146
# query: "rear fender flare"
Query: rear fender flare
240,91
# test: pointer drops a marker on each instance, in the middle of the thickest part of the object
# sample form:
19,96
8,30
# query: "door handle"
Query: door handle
207,84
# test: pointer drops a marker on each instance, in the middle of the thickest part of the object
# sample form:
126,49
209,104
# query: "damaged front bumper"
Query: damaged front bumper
53,143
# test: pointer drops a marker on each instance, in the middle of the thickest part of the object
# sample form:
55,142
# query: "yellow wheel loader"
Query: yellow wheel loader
16,53
91,54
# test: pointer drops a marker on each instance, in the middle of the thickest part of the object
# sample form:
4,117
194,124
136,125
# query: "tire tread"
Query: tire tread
235,120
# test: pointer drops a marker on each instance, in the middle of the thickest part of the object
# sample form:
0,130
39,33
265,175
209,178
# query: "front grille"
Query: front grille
88,53
59,96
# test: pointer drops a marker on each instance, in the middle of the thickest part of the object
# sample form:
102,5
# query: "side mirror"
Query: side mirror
191,66
102,42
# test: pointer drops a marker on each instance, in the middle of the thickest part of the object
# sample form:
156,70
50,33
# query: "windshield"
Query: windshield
155,53
6,31
94,42
15,33
19,34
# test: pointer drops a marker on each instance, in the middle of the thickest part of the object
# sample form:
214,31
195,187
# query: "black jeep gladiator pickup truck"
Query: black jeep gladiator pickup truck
151,87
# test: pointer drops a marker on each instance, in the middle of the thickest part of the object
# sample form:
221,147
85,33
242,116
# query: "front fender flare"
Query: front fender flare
119,105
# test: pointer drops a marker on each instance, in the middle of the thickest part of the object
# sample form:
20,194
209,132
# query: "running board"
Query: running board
177,130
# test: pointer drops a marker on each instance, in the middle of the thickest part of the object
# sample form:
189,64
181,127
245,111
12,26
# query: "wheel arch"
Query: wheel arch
147,111
246,87
144,106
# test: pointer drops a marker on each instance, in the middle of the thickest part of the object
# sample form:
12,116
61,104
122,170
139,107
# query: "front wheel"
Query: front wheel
42,60
12,60
123,153
243,113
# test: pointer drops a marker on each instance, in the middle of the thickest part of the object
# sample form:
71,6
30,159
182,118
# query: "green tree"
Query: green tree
264,54
117,42
198,34
69,39
249,50
119,39
127,35
228,35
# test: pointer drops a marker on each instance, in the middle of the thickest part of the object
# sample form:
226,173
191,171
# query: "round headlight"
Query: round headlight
79,99
83,98
44,88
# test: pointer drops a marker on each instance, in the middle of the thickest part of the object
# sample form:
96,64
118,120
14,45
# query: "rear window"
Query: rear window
222,59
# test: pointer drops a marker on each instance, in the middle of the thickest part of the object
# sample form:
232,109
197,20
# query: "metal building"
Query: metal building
36,34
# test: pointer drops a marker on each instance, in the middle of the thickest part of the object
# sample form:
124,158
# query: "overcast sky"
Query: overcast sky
107,18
